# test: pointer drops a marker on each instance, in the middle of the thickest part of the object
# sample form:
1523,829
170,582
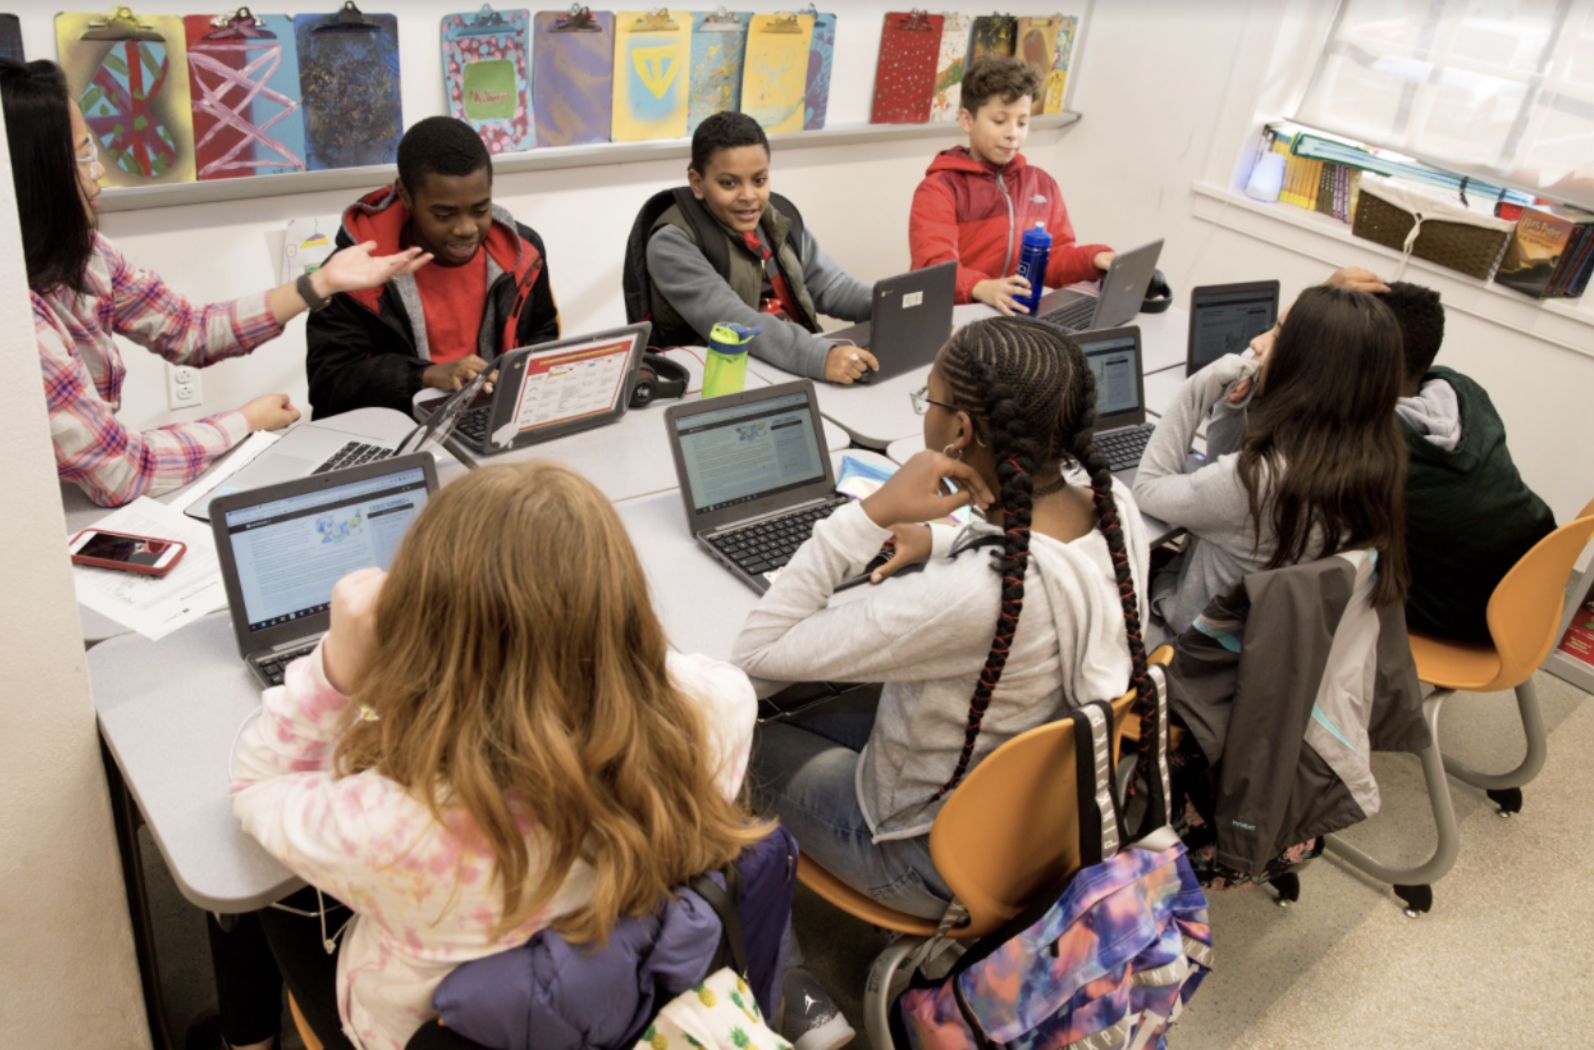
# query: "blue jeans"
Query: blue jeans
806,775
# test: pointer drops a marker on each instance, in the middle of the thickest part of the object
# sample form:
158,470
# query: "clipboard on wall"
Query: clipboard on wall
572,76
652,50
243,77
1057,79
1036,44
904,82
129,75
719,47
955,29
775,75
821,53
487,75
350,80
992,35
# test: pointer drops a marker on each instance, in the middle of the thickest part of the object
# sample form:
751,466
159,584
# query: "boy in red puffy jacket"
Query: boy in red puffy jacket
976,202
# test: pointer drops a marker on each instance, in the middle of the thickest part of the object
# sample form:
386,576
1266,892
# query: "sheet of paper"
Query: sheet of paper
204,489
155,606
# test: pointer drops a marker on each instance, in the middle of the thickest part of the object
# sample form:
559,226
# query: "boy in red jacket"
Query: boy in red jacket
975,203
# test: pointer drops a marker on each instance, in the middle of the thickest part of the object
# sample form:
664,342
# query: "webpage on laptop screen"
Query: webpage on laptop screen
290,552
735,455
1116,366
1228,321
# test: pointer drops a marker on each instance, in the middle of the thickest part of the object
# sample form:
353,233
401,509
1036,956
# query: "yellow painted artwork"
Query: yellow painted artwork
652,53
128,72
775,73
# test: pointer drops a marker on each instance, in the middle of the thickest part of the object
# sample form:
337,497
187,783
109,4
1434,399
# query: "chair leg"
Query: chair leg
1413,885
886,980
1505,788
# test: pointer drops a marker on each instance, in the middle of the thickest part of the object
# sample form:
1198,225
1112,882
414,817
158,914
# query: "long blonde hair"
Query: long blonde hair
520,670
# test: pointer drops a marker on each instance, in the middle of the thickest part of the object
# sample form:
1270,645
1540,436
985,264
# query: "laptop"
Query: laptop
1224,318
1123,289
319,448
911,321
550,390
283,547
754,476
1121,428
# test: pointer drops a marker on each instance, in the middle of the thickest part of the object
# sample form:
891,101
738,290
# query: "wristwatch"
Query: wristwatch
307,292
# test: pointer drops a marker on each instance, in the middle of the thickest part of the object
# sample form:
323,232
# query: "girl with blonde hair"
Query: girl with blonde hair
493,738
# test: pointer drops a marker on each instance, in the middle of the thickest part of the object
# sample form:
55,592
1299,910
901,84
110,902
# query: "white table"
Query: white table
630,457
878,413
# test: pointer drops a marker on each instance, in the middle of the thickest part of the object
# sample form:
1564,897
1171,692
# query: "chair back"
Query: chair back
1011,829
1525,610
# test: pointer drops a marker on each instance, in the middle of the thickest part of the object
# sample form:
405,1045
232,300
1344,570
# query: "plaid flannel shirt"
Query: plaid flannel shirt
83,375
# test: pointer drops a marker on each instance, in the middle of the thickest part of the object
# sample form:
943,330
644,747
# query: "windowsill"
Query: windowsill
1321,237
134,198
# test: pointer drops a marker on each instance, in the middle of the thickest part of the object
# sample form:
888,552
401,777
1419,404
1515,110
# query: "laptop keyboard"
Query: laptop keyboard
767,545
1123,448
473,426
1075,317
352,455
274,666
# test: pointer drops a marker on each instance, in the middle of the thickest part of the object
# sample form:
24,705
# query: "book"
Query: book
1541,243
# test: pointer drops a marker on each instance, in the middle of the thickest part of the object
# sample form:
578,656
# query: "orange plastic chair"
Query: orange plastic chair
306,1034
1009,830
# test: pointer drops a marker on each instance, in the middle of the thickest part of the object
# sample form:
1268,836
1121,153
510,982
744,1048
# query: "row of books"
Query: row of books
1318,185
1551,254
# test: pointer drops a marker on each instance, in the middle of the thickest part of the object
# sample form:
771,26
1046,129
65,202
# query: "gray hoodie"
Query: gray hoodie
926,636
1435,413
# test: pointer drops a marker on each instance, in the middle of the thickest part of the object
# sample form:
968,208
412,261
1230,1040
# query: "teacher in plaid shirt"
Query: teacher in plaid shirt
85,291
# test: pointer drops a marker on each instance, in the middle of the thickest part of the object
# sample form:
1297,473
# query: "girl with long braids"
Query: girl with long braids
1307,457
976,647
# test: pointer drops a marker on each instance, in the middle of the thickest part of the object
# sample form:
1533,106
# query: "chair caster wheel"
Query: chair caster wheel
1508,799
1288,887
1419,899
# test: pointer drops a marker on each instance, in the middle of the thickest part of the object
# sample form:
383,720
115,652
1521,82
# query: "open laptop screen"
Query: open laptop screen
1115,362
749,451
289,552
1224,319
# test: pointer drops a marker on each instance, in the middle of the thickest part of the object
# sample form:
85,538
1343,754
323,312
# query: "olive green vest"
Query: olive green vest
746,277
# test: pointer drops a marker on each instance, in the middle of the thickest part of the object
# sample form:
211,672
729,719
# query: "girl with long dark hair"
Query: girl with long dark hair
85,291
1309,462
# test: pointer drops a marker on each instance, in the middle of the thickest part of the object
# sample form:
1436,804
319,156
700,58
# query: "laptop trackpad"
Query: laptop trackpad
278,468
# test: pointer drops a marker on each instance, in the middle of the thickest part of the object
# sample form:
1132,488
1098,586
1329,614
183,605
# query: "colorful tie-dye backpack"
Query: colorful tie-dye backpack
1105,961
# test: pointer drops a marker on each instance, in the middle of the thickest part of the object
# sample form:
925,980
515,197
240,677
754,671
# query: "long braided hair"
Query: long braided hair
1032,398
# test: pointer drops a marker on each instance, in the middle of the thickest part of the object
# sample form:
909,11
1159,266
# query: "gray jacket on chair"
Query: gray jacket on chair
1288,681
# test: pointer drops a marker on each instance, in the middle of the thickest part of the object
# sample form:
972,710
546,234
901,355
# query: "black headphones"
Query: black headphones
1159,295
658,377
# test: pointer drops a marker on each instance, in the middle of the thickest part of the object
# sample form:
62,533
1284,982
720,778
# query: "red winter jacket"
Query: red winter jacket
976,213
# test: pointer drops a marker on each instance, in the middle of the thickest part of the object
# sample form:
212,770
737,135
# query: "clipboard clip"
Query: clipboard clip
349,18
485,22
916,20
577,20
121,24
720,21
657,20
784,23
242,24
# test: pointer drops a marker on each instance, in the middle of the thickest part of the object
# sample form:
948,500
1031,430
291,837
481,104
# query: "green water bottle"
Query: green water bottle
725,370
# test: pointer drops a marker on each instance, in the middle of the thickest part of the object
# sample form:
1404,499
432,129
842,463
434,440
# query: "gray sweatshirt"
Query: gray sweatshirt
680,270
1211,503
926,636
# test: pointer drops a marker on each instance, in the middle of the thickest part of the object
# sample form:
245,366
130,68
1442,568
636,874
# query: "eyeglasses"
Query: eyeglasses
90,163
922,401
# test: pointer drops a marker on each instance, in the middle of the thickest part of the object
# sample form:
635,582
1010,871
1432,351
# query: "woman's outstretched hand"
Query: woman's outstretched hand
355,268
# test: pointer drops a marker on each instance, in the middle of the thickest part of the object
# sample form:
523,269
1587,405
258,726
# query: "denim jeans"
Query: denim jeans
806,775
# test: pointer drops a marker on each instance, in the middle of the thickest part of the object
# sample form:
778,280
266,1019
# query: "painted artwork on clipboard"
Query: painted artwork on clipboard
992,35
243,77
955,31
904,79
11,38
1036,38
129,74
821,53
775,75
572,76
1057,79
349,76
487,76
719,43
652,50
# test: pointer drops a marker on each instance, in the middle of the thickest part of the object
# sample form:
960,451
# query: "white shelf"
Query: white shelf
174,194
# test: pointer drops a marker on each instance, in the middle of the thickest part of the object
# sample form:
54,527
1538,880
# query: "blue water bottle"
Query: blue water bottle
1032,265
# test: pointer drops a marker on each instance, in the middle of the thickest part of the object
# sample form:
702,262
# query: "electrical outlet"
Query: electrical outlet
184,389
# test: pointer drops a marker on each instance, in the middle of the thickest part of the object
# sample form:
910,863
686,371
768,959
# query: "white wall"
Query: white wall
66,951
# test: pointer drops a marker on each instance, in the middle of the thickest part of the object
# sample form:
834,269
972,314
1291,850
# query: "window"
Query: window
1502,89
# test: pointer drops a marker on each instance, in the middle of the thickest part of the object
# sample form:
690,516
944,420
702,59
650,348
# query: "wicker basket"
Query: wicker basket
1450,236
